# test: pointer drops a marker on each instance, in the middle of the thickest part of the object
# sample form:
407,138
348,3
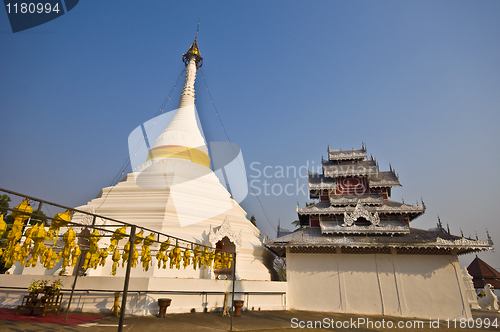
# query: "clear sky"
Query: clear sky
417,81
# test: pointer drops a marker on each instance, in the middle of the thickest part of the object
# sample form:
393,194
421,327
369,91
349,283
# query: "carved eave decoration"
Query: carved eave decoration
218,233
401,209
360,212
361,168
348,154
461,246
383,183
328,228
322,185
353,200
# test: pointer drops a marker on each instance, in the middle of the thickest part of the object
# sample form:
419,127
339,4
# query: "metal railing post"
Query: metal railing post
127,277
234,282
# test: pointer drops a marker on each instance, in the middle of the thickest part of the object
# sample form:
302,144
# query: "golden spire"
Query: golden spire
194,52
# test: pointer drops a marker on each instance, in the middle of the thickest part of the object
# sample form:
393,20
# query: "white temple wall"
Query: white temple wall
423,286
96,294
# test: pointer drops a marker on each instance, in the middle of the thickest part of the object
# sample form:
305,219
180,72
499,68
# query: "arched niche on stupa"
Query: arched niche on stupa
224,239
225,245
225,231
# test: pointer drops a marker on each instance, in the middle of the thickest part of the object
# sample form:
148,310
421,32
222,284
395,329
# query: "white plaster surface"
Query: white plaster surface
425,286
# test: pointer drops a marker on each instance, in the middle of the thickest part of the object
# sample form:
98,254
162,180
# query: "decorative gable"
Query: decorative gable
218,233
360,211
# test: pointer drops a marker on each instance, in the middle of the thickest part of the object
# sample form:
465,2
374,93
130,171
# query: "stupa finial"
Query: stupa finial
194,51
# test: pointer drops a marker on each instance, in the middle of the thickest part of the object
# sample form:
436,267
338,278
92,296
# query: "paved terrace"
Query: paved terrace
250,321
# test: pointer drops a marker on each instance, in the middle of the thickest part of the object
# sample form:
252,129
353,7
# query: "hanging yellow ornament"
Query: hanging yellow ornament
196,257
38,237
217,261
186,258
211,257
116,258
19,215
74,255
92,256
126,250
20,211
26,247
119,234
69,243
135,257
13,252
161,255
50,257
204,258
175,257
58,221
3,225
146,252
139,237
225,260
103,254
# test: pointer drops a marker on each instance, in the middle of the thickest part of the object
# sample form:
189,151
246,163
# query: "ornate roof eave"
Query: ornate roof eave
348,154
417,239
367,200
371,229
384,179
403,209
354,171
322,185
383,184
462,248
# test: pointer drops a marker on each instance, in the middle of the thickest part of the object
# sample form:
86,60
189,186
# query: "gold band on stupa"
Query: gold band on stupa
183,152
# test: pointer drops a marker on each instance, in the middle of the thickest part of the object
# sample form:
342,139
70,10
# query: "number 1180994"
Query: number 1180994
32,8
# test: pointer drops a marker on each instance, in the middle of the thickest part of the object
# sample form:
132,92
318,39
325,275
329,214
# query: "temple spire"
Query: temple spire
182,138
193,61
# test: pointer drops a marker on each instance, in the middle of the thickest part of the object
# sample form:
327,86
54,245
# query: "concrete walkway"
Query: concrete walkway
252,321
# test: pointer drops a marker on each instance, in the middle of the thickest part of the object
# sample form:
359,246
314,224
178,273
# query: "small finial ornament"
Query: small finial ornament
490,241
194,51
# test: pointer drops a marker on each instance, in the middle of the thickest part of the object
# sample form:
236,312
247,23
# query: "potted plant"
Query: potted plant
56,285
37,285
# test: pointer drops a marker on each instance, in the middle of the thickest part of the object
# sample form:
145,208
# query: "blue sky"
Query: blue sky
417,81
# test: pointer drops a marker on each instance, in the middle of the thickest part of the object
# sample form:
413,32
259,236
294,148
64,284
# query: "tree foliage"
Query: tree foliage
4,204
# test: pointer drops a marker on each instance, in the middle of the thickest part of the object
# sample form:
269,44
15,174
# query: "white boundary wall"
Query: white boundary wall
423,286
96,294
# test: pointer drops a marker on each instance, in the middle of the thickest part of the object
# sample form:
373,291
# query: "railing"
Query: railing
107,229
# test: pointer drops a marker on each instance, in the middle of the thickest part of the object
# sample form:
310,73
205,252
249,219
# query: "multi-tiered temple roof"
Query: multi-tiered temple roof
355,211
354,197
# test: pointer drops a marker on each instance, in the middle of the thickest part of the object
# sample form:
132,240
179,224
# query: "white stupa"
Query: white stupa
175,192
